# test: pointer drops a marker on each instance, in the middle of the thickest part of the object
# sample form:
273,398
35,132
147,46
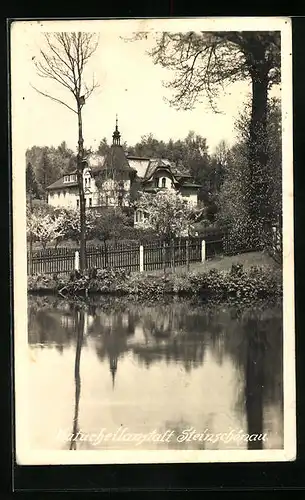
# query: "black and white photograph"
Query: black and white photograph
152,194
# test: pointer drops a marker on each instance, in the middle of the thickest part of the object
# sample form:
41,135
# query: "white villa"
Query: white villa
110,181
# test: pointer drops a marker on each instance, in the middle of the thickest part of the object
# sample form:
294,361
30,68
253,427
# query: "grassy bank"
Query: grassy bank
224,263
240,281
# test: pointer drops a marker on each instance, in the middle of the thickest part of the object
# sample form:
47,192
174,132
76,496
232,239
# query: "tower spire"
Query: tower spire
116,136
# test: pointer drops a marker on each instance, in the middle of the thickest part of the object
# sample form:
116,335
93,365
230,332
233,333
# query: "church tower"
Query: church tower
116,136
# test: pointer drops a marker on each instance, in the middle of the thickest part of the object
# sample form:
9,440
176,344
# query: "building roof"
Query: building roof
154,164
59,184
139,164
115,160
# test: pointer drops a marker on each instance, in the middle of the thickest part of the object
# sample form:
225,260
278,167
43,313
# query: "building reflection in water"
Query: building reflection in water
177,333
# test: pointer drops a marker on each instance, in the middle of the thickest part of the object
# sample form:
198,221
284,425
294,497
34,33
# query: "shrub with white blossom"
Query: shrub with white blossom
166,213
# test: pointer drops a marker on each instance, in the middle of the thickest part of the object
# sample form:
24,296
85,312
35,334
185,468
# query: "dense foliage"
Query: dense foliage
166,213
237,283
49,225
233,198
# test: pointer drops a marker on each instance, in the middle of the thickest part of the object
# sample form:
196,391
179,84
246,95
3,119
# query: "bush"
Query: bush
255,283
42,283
138,234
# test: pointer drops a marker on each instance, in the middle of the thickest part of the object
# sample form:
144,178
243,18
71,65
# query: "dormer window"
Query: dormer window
163,182
157,182
70,178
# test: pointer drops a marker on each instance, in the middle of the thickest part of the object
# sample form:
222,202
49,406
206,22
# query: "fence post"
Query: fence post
76,260
187,251
203,252
141,258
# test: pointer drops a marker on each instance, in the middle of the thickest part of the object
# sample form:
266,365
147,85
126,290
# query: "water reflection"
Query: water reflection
176,365
79,328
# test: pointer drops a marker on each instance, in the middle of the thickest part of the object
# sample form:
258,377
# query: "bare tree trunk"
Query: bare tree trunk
82,206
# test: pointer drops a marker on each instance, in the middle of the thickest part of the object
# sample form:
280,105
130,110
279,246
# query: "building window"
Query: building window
163,182
90,202
77,203
157,182
66,178
89,181
139,216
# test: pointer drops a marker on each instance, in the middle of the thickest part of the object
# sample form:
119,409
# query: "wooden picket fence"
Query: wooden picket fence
127,255
119,256
178,253
51,261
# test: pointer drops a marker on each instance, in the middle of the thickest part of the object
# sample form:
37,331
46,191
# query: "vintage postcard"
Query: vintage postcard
153,272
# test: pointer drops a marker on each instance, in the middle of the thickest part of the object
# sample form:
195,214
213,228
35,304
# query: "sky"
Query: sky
130,86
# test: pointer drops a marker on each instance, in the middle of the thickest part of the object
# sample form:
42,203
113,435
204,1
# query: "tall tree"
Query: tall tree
46,171
50,163
232,199
204,62
103,148
273,148
64,61
32,188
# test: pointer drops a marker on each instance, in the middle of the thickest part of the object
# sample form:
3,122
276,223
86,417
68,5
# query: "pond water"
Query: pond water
105,373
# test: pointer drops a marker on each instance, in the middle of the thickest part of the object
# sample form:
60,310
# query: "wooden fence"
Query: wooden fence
154,256
149,256
178,253
52,260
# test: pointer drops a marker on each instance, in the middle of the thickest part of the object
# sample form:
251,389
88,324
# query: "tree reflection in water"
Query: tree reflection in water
79,324
175,332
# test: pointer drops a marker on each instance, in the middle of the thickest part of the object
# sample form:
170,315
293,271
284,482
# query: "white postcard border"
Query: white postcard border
26,456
